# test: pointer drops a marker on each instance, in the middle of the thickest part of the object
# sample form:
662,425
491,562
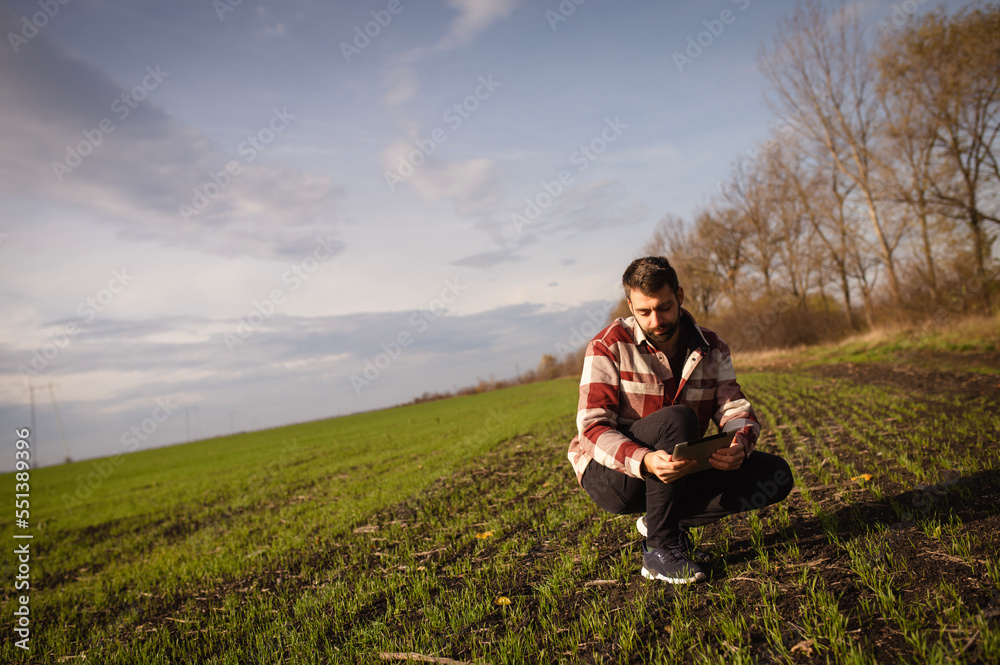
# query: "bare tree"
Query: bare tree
792,238
720,234
747,193
910,169
821,77
690,256
950,69
822,191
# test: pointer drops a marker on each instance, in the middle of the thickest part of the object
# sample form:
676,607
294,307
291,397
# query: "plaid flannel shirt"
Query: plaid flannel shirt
625,378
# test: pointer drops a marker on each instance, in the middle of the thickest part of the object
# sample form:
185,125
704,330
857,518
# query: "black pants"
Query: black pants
695,499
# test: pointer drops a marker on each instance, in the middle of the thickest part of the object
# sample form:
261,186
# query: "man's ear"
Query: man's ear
680,296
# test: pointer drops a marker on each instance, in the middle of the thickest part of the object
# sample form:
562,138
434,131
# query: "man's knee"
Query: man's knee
773,484
784,479
668,426
688,418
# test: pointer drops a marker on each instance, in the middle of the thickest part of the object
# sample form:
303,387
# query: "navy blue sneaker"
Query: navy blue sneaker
670,565
696,554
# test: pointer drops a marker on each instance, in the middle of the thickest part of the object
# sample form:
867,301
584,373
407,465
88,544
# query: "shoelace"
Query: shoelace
671,553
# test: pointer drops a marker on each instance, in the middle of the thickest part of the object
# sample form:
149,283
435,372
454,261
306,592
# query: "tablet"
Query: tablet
701,449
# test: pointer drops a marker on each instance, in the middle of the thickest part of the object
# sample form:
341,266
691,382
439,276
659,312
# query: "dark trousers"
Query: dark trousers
695,499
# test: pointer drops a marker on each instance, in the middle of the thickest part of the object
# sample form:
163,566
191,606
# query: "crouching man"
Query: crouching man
652,381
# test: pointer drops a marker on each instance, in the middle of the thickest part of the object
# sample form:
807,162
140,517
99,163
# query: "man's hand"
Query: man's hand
663,466
729,459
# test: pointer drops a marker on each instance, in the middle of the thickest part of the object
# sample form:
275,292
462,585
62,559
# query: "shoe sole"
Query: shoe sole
672,580
640,527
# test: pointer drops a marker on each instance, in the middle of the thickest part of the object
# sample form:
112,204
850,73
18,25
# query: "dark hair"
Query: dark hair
649,274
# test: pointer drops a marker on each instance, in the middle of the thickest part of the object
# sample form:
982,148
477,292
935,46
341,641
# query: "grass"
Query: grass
903,345
455,529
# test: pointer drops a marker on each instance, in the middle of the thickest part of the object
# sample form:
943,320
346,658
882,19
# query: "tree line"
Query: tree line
877,193
875,197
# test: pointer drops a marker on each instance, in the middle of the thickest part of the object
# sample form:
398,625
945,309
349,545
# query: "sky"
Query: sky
234,215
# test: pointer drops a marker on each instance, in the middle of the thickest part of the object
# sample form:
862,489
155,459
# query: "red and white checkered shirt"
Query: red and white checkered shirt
625,378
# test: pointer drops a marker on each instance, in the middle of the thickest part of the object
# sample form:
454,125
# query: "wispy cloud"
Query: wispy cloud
589,207
271,28
74,136
472,183
485,260
474,16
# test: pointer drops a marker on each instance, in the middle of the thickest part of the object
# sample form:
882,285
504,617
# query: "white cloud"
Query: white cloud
590,206
277,30
270,29
402,83
474,16
74,137
471,184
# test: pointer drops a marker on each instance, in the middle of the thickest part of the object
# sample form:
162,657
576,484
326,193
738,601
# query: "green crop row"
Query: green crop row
455,529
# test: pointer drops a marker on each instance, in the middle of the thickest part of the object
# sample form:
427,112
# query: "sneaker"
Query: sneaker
670,565
696,555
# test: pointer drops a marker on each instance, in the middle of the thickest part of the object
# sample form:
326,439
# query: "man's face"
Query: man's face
657,314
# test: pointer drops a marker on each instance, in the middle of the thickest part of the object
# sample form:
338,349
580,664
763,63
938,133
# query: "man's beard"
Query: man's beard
664,335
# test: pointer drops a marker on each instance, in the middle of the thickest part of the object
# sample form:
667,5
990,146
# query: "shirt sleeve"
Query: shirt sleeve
597,415
733,411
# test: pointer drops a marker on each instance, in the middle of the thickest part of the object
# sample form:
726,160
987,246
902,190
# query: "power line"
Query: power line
62,436
31,392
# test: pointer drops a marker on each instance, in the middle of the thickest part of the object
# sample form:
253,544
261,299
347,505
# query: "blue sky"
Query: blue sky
233,209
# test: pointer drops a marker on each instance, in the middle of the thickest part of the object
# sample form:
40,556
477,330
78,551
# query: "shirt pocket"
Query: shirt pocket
638,399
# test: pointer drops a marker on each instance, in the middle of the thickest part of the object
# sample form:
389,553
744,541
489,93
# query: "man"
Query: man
652,381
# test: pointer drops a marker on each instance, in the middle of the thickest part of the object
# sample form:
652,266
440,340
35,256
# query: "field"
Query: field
454,532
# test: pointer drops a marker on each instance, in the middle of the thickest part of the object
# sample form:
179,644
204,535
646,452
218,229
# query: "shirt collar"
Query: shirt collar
637,332
698,337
